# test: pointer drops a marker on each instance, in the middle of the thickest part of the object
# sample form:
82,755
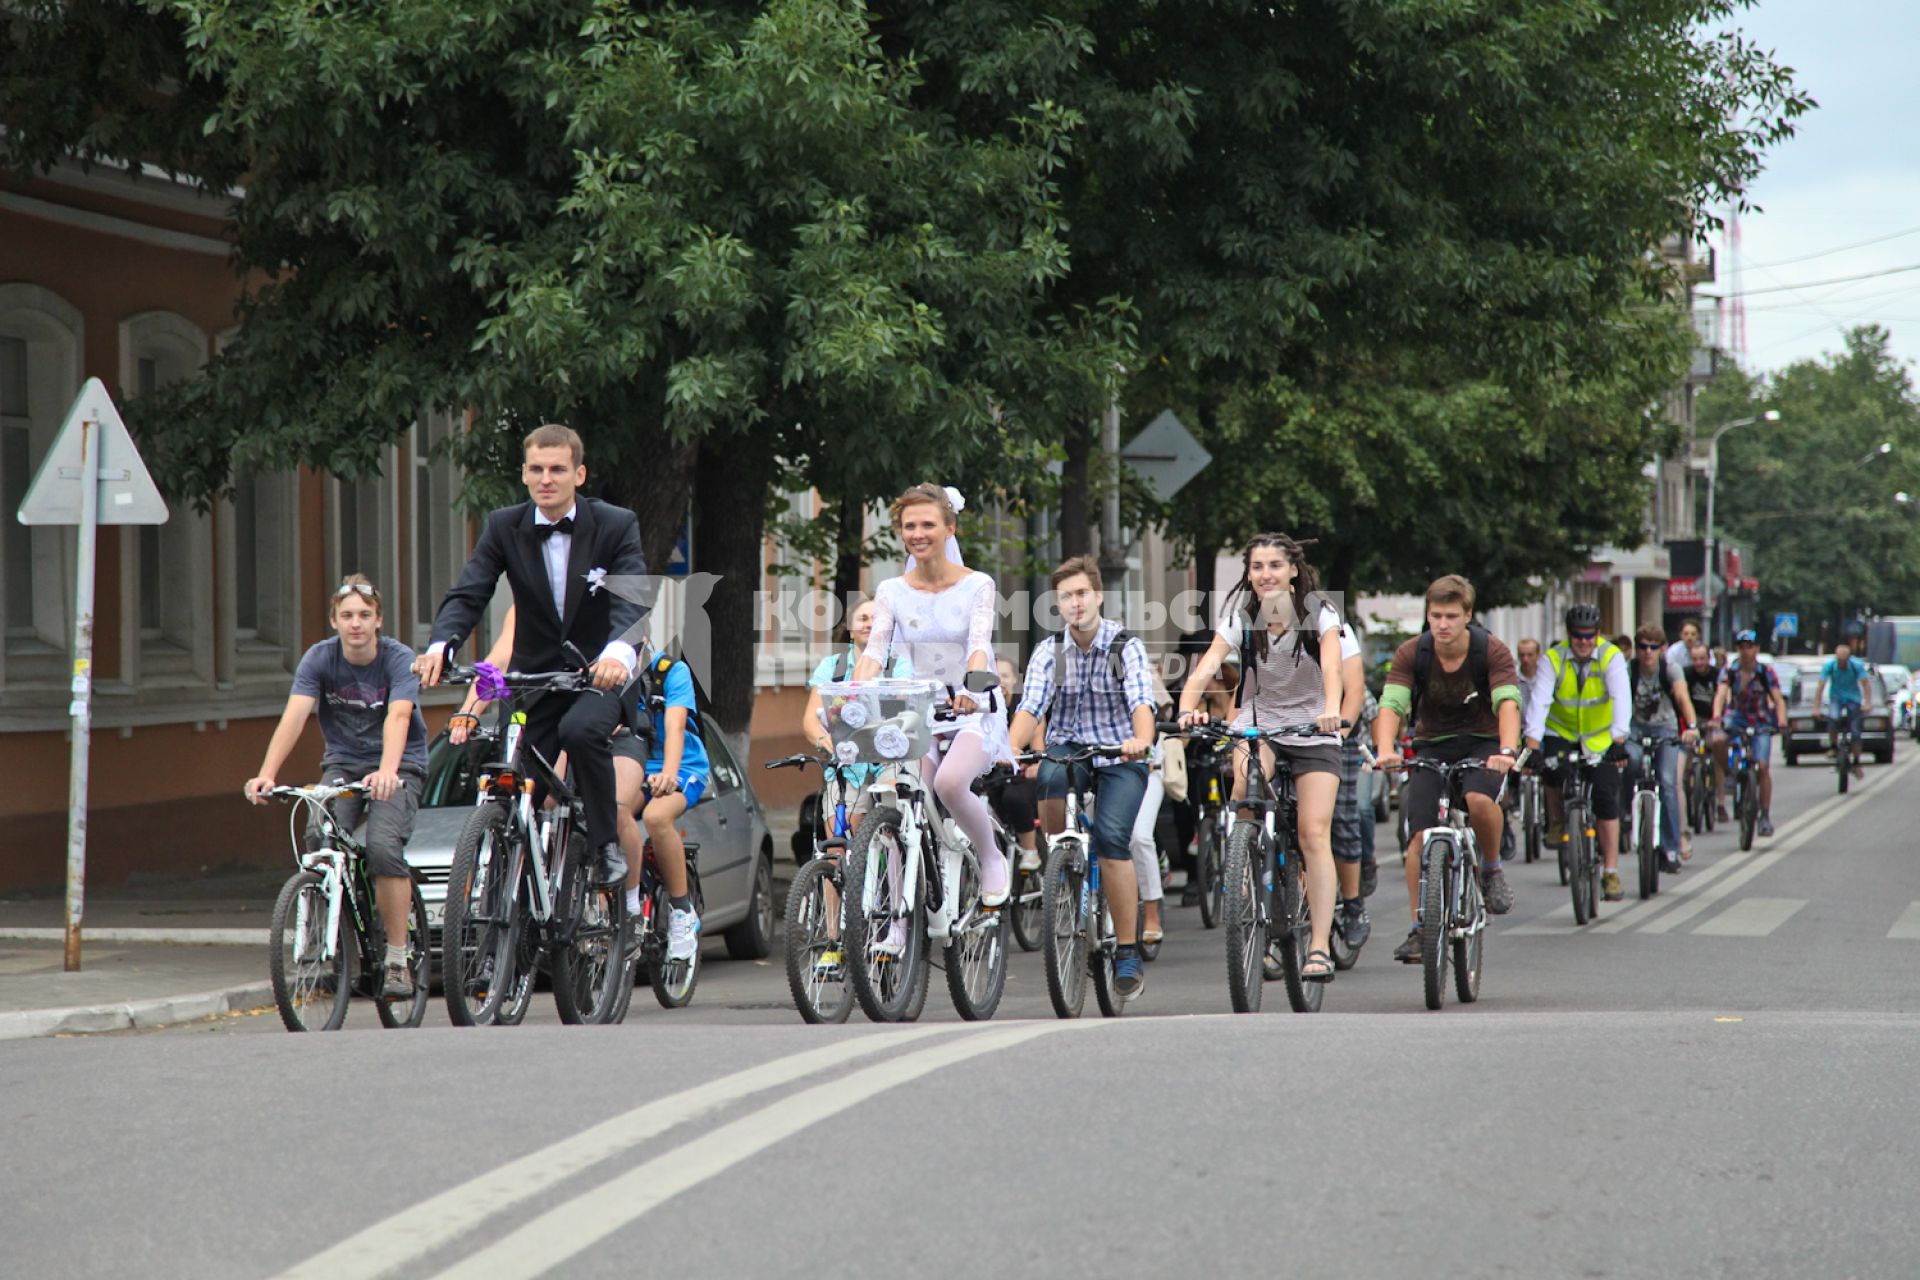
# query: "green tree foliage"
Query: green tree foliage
1810,497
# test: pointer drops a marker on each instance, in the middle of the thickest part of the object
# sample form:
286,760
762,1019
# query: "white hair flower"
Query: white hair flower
956,498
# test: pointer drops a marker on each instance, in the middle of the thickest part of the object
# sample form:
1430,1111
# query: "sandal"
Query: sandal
1324,973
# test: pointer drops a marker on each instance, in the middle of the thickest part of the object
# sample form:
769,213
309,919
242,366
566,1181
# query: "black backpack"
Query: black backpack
1478,638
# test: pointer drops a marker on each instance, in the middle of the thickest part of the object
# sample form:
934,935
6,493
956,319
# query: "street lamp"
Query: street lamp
1713,476
1885,447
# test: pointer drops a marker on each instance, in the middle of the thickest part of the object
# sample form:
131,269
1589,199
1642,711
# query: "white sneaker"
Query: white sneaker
683,934
894,945
1029,860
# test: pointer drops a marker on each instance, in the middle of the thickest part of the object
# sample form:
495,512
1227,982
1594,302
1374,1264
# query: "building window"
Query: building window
173,595
265,583
40,341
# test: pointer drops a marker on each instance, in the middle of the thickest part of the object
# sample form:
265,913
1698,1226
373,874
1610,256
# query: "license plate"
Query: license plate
436,914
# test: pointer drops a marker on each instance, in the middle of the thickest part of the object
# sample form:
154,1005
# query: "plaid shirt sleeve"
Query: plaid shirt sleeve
1138,680
1036,691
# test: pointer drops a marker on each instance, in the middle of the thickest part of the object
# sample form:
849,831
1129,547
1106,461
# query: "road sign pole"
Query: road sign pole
81,708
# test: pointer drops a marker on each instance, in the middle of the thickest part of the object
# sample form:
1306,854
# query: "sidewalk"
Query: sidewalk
155,952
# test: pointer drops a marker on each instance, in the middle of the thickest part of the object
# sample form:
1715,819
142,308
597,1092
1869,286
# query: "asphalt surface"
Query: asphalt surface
1715,1083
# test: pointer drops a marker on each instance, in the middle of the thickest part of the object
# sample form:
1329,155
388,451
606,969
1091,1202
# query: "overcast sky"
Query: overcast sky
1852,174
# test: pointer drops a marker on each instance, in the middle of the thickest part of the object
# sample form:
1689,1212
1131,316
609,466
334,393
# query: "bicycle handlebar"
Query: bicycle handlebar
1215,731
519,682
320,791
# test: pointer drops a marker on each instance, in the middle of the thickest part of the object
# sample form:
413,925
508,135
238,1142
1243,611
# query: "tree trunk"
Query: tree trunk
846,564
658,488
1076,534
729,524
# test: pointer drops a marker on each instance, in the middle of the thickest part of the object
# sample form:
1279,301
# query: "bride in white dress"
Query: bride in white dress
942,614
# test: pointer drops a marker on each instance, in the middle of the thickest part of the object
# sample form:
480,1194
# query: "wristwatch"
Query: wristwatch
1506,751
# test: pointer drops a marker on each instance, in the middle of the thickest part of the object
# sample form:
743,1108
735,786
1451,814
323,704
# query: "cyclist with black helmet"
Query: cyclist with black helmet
1749,697
1582,699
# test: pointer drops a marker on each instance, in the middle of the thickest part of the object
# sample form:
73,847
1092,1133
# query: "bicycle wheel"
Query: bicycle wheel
1565,852
478,921
412,1011
1842,762
1100,957
1579,867
1470,920
814,932
1027,909
1292,931
1206,862
1747,795
1344,956
1063,942
976,959
1245,891
1436,907
1646,844
310,986
673,981
1530,823
588,954
886,935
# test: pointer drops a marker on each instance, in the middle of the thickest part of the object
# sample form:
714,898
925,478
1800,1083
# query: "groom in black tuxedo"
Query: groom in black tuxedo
555,551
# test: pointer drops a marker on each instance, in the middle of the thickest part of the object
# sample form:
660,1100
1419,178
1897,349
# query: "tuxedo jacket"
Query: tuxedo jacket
604,537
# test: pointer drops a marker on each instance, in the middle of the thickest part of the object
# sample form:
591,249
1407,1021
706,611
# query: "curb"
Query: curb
137,1014
137,934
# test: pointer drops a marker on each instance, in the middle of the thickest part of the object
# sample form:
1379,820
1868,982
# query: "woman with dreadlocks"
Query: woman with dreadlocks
1287,637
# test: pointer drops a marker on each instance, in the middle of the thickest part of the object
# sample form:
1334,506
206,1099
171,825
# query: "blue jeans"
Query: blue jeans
1847,714
1118,790
1667,764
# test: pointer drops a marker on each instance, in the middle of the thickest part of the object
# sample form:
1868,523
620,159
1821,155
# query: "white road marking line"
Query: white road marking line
1671,891
584,1220
412,1233
1558,920
1751,918
1908,925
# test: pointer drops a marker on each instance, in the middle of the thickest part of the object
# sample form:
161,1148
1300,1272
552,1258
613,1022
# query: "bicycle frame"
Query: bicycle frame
338,853
1454,823
1646,781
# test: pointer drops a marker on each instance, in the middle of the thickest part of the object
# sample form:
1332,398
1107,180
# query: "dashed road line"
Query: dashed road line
1908,925
1751,918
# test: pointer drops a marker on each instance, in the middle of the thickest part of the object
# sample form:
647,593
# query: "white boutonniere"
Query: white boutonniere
596,578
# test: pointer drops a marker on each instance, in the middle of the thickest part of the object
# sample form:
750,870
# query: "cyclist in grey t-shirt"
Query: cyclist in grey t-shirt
363,686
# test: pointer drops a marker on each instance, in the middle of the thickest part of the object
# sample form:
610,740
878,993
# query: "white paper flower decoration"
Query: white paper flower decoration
846,753
853,714
890,741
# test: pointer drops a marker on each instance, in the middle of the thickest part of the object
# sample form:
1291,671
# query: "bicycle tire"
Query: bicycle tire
1530,824
472,926
1290,928
1344,956
1435,915
1747,796
1565,853
521,965
884,985
324,986
1842,763
1647,842
1063,943
413,1011
1100,959
819,997
1207,865
1579,876
1469,951
587,956
1245,885
1026,907
976,959
673,981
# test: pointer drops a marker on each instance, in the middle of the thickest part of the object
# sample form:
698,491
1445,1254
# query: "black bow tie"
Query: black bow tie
563,525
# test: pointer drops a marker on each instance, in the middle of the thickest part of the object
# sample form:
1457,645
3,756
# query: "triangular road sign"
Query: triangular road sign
127,493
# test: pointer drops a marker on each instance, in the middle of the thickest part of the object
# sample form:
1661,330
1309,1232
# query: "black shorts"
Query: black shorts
1018,805
1606,778
1425,789
1306,757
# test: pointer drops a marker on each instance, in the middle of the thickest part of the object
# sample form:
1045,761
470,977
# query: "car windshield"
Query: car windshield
451,772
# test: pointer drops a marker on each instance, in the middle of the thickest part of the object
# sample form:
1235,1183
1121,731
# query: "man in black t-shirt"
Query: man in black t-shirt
1702,676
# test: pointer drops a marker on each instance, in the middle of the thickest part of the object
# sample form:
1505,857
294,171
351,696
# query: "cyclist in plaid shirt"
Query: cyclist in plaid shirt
1089,691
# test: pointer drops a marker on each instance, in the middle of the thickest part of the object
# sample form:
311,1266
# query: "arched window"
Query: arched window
40,345
168,598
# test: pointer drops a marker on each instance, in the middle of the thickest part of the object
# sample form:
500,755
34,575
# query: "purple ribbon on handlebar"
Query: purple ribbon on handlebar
489,682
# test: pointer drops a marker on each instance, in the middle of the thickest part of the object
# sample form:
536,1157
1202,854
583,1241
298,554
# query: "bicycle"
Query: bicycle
816,904
1214,823
325,916
1843,731
1579,855
915,877
1453,910
1077,940
519,884
1265,903
1700,792
1533,817
1646,814
1746,782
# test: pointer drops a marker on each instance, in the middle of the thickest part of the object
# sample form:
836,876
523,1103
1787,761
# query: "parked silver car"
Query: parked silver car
735,858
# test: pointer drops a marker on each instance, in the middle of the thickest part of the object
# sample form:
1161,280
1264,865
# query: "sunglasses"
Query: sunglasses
1647,648
1582,635
360,589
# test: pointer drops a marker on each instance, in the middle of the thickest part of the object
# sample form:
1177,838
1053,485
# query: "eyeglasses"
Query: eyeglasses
360,589
1644,647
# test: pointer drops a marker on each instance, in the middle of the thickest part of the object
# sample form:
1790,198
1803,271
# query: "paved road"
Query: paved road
1716,1083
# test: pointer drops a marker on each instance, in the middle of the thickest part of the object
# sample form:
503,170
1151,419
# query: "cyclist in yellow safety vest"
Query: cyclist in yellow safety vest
1582,700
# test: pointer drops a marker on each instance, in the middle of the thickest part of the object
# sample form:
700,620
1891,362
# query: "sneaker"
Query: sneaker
1610,887
1408,952
683,934
397,983
1766,825
1029,860
1190,896
1369,877
1355,927
827,967
1499,892
1129,975
1670,864
895,943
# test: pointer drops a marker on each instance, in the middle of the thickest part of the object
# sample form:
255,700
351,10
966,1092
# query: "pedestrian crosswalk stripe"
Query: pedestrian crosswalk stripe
1908,925
1672,889
1752,918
